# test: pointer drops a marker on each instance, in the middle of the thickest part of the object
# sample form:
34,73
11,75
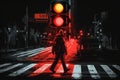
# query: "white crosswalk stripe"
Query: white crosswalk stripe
22,70
93,72
6,64
10,67
29,53
40,70
46,49
35,53
117,67
109,71
77,72
20,53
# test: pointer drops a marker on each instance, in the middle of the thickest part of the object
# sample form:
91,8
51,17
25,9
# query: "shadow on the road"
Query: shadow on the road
104,55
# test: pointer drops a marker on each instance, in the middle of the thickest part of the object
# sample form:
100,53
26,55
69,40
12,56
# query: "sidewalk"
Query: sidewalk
5,53
17,49
10,50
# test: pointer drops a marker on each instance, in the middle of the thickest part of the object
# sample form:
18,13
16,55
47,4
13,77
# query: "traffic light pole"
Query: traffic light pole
69,26
26,26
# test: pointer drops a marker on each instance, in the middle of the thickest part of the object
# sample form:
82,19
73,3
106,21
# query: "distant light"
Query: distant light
58,8
97,31
16,30
81,32
100,23
82,47
40,35
9,29
43,36
58,21
88,34
97,37
100,30
100,46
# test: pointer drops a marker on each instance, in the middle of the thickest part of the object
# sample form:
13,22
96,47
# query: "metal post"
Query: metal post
26,25
110,41
69,26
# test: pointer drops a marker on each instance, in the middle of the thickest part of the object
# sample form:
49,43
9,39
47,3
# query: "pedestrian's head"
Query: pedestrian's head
60,32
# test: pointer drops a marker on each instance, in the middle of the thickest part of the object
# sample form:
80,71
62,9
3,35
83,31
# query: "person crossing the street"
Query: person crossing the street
59,49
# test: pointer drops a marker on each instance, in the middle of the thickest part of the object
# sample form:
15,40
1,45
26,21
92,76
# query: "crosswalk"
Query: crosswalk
39,54
77,71
47,50
28,53
44,53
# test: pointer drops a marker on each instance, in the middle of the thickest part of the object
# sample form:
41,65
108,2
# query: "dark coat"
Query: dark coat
59,45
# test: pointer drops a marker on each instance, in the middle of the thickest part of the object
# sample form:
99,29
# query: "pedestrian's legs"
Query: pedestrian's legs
63,62
55,62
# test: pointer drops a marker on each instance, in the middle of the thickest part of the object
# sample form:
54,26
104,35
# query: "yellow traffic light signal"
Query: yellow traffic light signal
58,7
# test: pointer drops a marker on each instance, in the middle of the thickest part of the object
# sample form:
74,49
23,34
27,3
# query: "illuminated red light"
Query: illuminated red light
58,21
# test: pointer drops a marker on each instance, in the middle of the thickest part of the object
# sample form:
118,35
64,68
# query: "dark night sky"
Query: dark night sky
84,11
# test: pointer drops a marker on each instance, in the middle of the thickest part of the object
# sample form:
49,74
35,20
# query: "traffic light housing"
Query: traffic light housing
59,13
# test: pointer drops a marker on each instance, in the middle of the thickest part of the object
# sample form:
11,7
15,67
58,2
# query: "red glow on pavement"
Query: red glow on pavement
71,49
71,67
46,54
44,68
60,70
40,69
42,55
56,68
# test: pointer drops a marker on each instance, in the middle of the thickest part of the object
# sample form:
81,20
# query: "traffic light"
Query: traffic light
59,13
